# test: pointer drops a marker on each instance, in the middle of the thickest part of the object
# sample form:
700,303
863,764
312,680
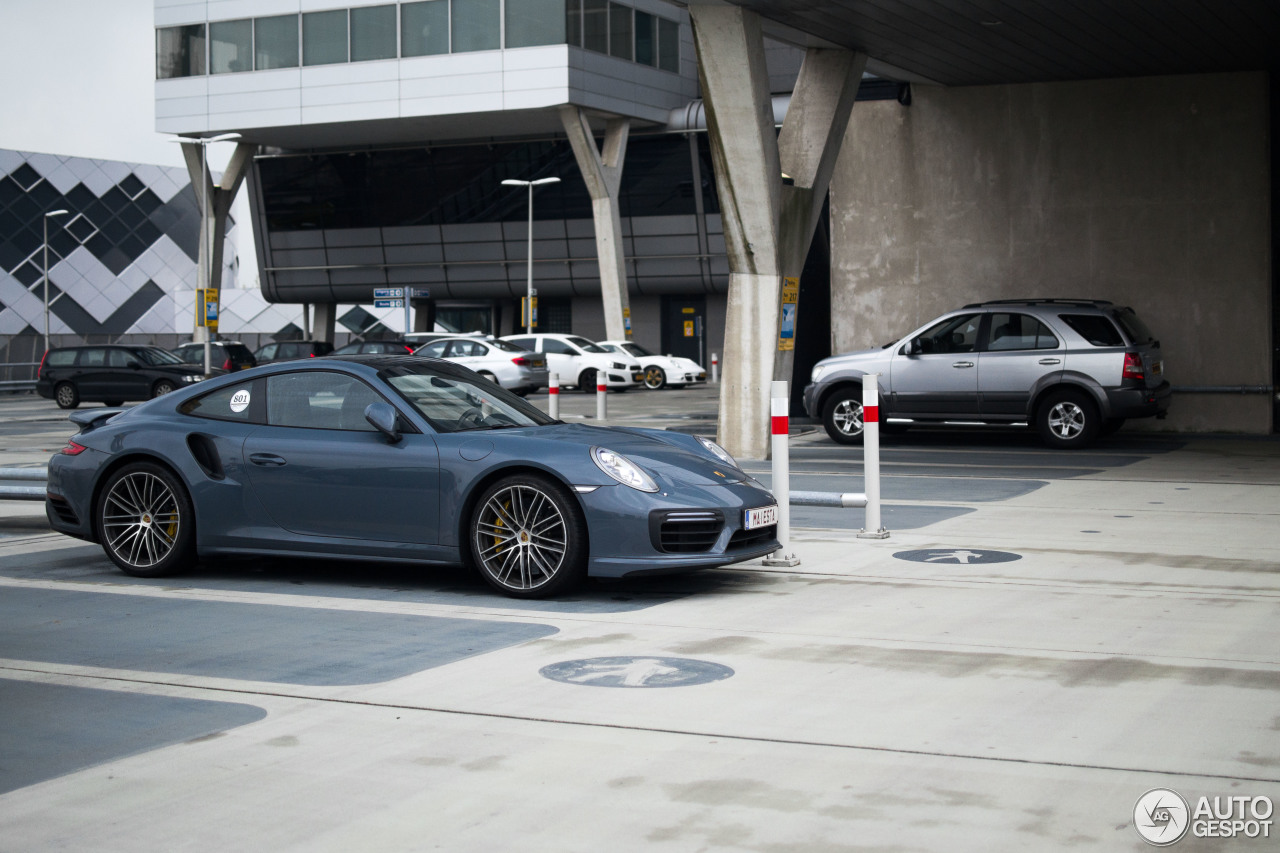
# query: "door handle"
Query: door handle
266,460
963,364
1051,361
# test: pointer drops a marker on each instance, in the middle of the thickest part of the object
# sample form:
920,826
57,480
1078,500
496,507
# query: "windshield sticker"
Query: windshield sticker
240,400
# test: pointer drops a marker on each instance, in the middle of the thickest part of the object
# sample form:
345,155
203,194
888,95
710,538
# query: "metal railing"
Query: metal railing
10,477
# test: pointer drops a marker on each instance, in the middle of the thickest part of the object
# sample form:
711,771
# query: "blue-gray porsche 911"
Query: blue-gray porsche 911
394,458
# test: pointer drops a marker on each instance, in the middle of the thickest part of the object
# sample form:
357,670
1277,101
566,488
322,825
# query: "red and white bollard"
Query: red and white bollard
715,367
871,456
553,396
602,394
780,422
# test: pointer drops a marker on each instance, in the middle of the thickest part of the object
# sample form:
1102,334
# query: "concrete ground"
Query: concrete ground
909,693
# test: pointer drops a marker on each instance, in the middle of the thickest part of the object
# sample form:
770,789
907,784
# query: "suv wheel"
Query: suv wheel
842,416
66,395
1067,419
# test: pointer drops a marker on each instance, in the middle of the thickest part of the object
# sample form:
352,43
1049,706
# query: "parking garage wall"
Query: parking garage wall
1150,192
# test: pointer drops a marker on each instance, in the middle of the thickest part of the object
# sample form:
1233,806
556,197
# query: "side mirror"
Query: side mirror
384,419
913,347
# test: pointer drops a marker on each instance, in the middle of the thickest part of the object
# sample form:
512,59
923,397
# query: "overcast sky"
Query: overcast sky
77,78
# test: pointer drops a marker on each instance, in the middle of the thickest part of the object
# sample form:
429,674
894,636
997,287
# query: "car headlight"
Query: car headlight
818,370
717,450
192,378
622,469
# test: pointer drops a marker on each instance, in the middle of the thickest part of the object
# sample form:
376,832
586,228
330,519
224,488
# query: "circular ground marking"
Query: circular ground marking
957,556
636,672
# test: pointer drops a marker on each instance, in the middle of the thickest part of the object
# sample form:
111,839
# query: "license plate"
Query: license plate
762,517
536,362
638,376
1157,368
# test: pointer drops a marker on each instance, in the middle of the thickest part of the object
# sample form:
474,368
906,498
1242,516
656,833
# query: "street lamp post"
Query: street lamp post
528,325
47,217
204,273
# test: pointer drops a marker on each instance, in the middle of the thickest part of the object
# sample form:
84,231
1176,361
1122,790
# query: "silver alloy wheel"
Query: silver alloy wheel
520,537
140,519
1066,420
67,396
847,417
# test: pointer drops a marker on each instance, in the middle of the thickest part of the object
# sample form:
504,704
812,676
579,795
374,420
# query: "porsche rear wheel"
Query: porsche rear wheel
528,537
145,521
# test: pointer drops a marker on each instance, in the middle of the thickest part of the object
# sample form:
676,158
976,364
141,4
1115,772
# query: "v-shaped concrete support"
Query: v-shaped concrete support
769,220
602,171
216,202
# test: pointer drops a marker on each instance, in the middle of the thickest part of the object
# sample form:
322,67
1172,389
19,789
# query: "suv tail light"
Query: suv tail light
1132,366
226,365
40,369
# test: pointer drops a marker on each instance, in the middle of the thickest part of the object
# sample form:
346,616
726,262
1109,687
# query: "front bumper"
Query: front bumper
623,525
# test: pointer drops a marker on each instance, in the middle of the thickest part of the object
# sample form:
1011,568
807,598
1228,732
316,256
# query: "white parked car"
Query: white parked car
660,371
578,361
518,370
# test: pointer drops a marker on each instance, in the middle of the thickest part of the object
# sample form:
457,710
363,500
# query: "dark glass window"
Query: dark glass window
1095,329
668,45
232,403
535,22
595,25
324,37
180,51
424,28
646,38
477,25
275,42
1019,331
319,400
620,31
373,33
230,46
573,22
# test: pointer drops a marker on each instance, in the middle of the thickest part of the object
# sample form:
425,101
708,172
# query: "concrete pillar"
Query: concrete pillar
216,200
767,226
602,171
325,321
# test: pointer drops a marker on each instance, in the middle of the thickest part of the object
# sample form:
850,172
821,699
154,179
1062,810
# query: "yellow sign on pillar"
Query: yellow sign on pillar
688,328
790,302
207,308
524,313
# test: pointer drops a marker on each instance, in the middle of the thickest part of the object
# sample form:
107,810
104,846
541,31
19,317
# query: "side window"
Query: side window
319,400
119,358
93,357
527,344
269,351
288,351
435,350
1097,330
241,402
560,347
952,335
61,358
1019,331
466,349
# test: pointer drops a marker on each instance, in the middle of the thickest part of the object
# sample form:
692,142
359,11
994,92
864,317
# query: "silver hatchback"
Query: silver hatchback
1075,369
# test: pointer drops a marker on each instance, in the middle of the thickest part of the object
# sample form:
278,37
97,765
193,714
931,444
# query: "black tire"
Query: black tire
587,381
1067,419
164,386
655,378
66,395
842,415
145,521
528,537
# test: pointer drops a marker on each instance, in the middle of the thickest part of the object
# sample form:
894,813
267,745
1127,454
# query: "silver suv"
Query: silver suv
1076,369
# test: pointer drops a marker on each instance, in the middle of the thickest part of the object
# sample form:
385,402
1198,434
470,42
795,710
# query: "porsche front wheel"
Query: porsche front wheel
528,537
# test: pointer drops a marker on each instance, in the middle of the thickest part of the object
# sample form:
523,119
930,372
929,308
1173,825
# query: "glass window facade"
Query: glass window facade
463,184
424,28
535,22
420,28
477,25
620,31
180,51
324,37
373,33
230,46
275,42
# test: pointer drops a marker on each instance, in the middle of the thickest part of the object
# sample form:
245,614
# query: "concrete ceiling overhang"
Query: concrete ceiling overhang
977,42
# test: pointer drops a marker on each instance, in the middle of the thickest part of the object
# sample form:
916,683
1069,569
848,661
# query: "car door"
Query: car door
128,378
562,359
93,374
467,353
1017,353
321,469
935,373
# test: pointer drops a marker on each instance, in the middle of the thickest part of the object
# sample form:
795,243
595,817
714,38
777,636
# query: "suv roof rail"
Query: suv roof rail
1092,303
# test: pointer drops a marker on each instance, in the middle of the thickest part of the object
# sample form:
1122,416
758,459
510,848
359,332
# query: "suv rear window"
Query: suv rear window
1135,328
1094,328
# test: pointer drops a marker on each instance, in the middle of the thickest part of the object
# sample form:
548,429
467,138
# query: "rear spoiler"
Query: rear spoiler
91,419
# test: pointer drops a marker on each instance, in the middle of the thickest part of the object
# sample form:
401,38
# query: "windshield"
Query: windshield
155,355
636,350
457,400
586,345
